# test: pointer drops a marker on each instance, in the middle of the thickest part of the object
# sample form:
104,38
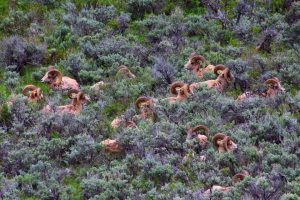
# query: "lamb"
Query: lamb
223,143
112,146
98,86
274,87
55,80
121,121
215,188
125,72
145,106
202,138
33,93
78,99
182,90
194,65
222,82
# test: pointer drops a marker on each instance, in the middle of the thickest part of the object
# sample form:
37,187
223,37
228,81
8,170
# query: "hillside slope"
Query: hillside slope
153,153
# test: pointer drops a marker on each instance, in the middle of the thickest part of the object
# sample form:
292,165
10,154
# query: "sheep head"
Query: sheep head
224,77
53,77
219,69
239,177
123,70
182,90
33,93
274,87
112,146
193,62
78,97
120,121
145,106
201,131
223,143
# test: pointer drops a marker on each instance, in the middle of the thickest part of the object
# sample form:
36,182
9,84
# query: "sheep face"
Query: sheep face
274,87
112,146
202,139
145,107
53,77
224,143
34,94
193,62
182,90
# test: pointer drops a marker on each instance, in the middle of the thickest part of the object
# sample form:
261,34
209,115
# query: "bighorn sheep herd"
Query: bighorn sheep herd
145,106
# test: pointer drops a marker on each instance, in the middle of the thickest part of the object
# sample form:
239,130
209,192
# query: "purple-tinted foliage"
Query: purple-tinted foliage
163,70
15,51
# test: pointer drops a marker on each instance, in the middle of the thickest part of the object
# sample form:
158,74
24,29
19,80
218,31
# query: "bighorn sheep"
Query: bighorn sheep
55,80
196,131
223,143
182,90
235,179
221,83
145,106
78,99
33,93
121,121
125,72
99,86
112,146
194,65
274,87
215,188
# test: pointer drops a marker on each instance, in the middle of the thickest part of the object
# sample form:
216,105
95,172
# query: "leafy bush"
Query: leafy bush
15,51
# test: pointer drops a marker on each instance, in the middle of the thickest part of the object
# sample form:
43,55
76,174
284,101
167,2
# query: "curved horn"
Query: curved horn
197,58
122,67
272,81
219,68
238,178
141,100
228,75
72,94
218,136
175,85
57,74
227,139
28,88
201,127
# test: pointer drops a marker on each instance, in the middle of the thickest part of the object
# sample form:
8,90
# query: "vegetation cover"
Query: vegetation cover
123,96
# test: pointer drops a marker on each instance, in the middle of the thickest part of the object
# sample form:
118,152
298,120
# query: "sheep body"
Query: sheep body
274,87
221,83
